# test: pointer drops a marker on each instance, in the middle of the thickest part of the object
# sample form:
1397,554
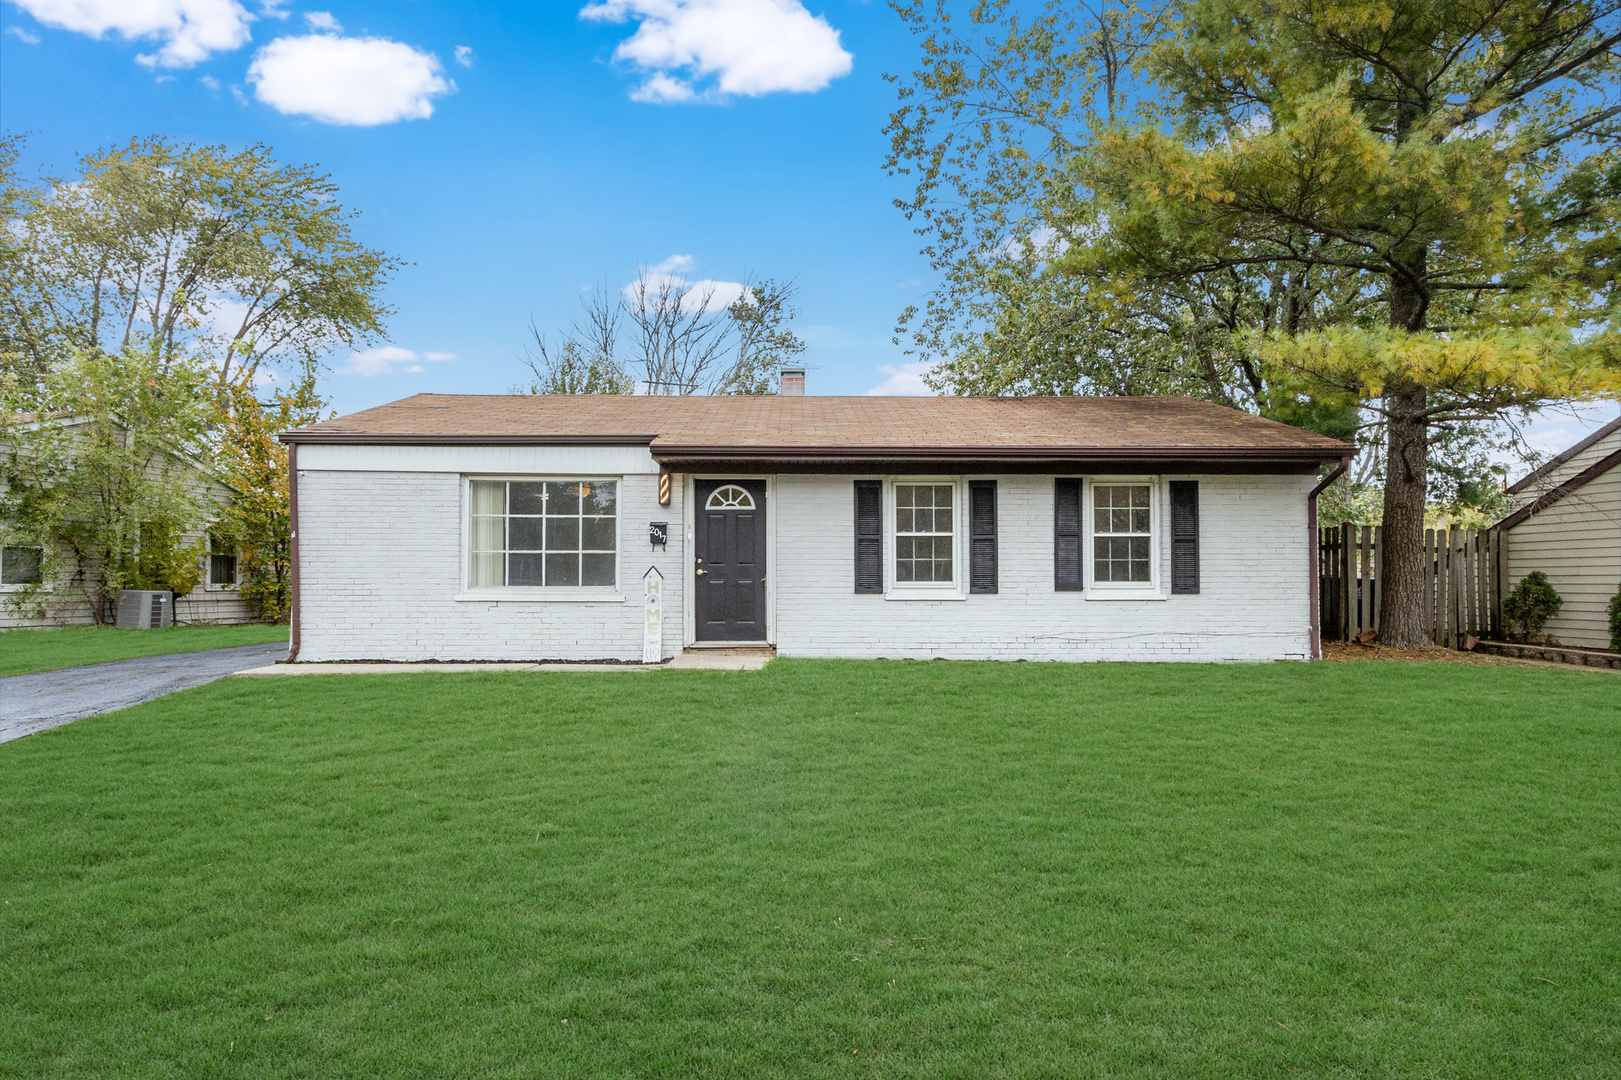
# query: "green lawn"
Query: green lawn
825,869
22,651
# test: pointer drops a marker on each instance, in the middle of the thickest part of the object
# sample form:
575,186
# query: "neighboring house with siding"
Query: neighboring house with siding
1566,522
448,527
67,599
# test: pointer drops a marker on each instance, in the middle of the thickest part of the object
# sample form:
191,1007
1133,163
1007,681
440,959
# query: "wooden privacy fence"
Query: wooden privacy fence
1462,582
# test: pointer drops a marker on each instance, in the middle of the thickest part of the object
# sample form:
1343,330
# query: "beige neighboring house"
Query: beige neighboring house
64,600
1566,522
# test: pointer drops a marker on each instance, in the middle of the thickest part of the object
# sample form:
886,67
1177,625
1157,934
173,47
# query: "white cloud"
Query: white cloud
210,82
274,9
23,35
672,274
661,89
715,49
1045,241
906,380
387,359
339,80
464,55
190,30
324,21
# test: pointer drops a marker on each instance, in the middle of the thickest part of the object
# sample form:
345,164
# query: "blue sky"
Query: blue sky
517,154
538,173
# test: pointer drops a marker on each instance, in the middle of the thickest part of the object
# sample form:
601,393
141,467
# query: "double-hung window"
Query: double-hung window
1123,535
20,565
543,534
221,563
925,534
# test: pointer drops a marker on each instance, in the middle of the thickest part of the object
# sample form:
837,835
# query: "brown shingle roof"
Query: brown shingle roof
759,428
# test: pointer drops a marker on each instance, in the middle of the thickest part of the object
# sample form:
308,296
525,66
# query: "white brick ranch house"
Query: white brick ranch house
448,527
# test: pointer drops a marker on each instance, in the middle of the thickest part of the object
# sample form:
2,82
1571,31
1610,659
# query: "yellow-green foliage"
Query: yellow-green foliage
1494,369
255,462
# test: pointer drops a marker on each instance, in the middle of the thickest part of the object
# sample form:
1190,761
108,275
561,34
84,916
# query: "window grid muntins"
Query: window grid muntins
544,533
730,497
923,533
1122,540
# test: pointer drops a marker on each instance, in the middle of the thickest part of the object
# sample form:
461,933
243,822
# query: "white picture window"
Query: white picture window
1123,534
543,534
925,534
20,565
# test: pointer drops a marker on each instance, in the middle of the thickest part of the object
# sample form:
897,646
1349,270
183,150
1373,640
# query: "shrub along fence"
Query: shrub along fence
1462,582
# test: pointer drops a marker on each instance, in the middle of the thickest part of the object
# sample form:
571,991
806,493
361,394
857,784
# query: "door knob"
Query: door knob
700,571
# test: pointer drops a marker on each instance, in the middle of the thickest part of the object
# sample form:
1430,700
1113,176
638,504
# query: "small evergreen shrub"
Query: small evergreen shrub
1615,621
1528,608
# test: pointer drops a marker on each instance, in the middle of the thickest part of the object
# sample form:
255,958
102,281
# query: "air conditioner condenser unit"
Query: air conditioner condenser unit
145,609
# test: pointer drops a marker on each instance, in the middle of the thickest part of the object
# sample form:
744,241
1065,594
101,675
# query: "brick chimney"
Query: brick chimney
793,382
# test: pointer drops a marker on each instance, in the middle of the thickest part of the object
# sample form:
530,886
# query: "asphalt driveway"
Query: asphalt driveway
47,699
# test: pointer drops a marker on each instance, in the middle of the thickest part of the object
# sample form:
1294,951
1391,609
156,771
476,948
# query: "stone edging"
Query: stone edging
1558,654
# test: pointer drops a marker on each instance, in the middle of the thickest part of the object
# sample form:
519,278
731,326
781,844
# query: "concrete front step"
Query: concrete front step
710,657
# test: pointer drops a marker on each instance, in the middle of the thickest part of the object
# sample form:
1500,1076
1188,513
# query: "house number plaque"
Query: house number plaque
658,533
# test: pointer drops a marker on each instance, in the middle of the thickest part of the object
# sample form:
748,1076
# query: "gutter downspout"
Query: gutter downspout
1311,523
292,517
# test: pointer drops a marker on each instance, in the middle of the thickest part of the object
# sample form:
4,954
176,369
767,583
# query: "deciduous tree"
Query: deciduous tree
257,522
176,249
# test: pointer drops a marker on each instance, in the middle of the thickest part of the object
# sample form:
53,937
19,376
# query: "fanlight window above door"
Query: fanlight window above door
730,497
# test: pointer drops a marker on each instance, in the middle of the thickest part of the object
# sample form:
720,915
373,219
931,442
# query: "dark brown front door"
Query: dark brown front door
729,543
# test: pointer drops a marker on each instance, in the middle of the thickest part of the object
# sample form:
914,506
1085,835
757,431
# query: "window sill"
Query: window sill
902,593
1099,592
526,595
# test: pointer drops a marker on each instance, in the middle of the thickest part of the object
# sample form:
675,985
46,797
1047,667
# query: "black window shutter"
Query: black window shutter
869,536
982,536
1184,536
1067,534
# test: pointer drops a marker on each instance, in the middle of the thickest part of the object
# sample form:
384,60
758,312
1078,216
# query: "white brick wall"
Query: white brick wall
380,569
1252,605
380,565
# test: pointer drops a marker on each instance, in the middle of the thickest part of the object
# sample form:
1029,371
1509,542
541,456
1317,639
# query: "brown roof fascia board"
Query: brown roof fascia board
1581,479
376,439
1059,466
842,454
1563,456
982,467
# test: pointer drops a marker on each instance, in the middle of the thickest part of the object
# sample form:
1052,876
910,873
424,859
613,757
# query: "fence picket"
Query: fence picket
1471,580
1454,576
1378,570
1348,581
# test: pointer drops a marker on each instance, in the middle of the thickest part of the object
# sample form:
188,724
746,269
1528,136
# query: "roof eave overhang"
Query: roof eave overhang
999,459
341,438
922,459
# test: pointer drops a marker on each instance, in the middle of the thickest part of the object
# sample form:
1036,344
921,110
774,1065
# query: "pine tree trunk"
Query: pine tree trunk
1402,603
